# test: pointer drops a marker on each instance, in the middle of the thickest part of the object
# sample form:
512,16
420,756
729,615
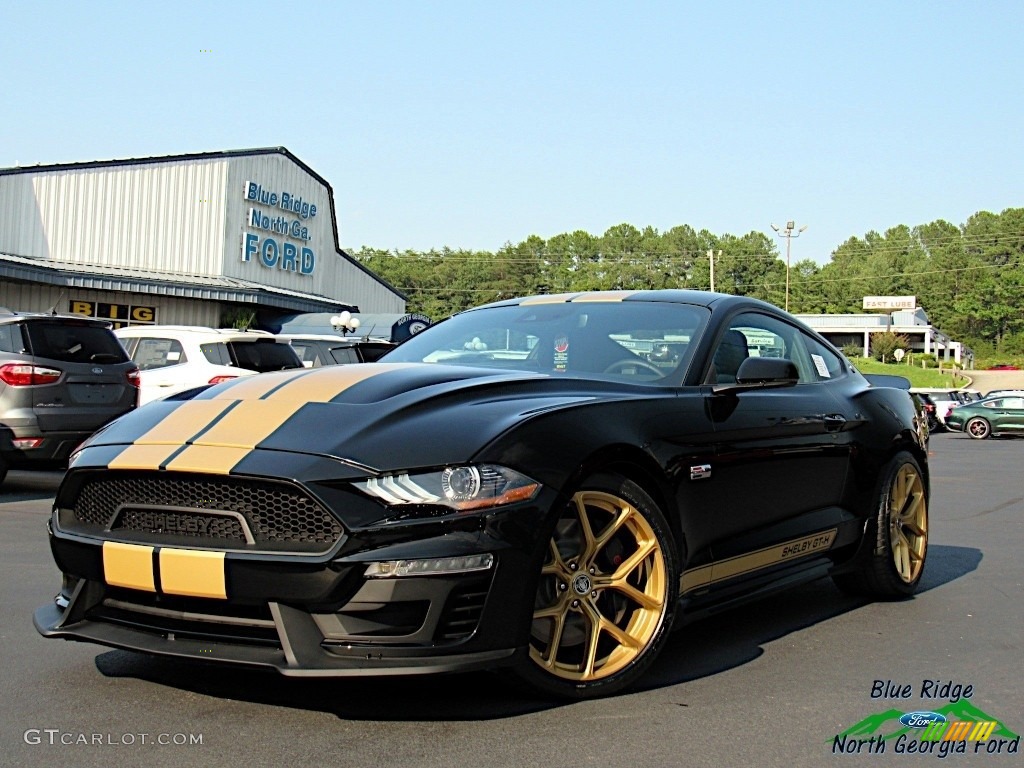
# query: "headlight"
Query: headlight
463,488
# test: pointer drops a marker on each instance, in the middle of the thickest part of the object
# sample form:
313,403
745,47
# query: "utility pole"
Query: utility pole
789,234
711,258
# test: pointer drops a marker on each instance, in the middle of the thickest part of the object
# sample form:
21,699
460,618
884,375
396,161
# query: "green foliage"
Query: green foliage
240,318
884,345
968,278
918,377
853,351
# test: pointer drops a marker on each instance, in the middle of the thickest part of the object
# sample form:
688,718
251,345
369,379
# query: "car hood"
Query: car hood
372,417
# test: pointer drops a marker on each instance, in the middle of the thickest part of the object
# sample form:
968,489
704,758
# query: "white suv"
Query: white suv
173,358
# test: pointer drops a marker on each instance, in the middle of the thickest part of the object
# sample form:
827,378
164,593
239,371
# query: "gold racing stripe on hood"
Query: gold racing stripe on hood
218,433
330,381
154,447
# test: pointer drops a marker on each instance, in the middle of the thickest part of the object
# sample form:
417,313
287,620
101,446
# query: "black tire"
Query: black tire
607,593
978,428
3,470
892,555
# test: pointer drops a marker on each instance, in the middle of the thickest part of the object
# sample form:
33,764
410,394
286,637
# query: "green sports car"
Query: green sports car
991,416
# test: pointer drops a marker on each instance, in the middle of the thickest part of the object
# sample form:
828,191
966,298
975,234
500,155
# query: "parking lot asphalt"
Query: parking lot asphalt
768,684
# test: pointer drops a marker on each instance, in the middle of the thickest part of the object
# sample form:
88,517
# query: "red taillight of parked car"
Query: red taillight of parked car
133,377
221,379
25,375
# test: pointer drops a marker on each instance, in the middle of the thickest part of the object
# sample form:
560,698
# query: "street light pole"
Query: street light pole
789,234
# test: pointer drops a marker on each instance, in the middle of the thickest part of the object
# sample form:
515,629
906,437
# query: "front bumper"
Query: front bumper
315,614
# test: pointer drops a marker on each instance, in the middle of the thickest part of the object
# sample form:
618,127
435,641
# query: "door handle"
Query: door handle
834,421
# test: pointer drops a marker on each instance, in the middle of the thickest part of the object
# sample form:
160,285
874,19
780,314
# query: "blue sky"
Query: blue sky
472,124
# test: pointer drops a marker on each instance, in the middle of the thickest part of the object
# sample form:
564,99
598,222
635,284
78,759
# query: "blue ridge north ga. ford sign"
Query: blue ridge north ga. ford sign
280,217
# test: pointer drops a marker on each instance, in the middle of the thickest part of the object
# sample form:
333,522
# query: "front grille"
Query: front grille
184,523
204,510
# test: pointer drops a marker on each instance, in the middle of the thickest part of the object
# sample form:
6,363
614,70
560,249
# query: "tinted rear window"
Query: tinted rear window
263,356
71,343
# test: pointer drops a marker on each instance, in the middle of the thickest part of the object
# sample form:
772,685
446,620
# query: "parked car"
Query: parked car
1004,393
929,408
61,379
1003,367
534,483
175,358
988,417
944,400
316,350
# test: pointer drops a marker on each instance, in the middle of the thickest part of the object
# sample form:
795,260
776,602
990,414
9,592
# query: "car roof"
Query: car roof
218,334
9,316
678,296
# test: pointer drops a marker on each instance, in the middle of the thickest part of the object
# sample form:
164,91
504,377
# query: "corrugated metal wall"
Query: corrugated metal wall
163,217
30,297
182,217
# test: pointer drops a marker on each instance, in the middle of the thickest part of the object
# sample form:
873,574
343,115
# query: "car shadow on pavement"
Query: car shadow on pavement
737,636
724,641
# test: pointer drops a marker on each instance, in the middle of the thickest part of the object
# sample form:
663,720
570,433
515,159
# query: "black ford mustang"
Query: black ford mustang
547,483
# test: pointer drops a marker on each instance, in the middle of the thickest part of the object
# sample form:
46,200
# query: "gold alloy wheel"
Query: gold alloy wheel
603,591
908,523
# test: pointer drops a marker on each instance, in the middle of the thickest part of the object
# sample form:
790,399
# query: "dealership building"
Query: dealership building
891,314
183,240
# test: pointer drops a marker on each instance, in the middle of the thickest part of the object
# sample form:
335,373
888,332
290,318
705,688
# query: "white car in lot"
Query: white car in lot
173,358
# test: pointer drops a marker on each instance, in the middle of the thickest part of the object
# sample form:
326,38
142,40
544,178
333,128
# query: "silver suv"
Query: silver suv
61,379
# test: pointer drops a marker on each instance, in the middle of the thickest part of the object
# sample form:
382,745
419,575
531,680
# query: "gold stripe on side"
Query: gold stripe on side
128,565
210,459
603,296
193,573
762,558
551,298
695,578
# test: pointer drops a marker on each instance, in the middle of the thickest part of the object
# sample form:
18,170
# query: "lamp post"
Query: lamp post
345,323
789,234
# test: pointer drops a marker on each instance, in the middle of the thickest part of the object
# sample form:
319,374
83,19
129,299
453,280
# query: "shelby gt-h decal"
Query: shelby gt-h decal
528,483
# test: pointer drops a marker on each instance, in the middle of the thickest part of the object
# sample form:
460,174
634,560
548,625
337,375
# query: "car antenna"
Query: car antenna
53,309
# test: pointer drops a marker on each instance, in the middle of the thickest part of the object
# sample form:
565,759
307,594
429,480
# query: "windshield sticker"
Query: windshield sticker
819,363
561,358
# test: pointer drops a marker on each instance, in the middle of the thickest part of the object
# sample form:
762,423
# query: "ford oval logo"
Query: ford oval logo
97,370
921,719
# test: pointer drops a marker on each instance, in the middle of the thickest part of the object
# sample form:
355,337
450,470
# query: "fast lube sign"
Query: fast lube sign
282,222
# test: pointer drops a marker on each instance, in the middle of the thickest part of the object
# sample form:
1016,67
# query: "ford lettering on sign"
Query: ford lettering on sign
921,719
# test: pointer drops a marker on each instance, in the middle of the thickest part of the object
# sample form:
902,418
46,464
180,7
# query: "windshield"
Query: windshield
647,341
71,342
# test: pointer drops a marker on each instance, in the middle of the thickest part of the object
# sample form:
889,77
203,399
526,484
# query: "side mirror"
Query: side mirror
762,373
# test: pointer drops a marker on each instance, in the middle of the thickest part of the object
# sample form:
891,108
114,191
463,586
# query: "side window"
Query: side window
1013,402
216,353
307,354
751,335
993,404
344,355
10,338
825,364
158,353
